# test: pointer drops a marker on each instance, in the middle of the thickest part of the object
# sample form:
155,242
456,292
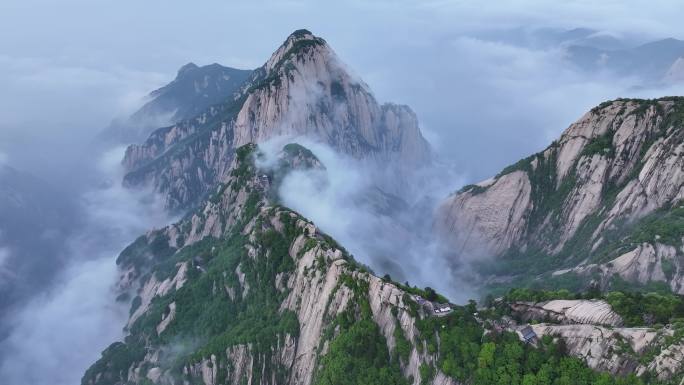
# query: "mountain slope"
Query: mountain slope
302,90
192,91
244,291
604,201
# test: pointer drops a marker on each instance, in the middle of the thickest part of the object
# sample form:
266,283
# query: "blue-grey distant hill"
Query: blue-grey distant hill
598,52
193,90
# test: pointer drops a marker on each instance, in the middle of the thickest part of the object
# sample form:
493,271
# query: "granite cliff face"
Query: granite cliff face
302,90
607,197
243,290
569,312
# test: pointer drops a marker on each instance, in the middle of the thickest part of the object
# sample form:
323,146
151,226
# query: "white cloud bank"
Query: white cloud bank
344,201
58,334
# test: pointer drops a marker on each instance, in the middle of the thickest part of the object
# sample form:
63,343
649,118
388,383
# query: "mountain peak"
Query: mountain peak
187,68
303,90
301,34
298,41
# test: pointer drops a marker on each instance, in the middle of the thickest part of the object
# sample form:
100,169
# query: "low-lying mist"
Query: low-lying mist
389,233
58,333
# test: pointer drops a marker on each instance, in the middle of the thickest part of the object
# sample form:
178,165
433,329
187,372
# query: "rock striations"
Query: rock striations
569,312
592,331
606,196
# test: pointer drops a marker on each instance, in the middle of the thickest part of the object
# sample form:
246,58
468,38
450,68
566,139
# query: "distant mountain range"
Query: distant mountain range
192,91
593,51
652,61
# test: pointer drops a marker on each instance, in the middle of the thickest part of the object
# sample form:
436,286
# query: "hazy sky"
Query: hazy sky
67,67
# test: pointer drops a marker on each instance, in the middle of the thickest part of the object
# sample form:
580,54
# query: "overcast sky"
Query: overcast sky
68,67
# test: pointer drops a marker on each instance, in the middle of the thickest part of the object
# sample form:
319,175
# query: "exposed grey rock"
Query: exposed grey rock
487,222
610,350
647,262
591,331
569,312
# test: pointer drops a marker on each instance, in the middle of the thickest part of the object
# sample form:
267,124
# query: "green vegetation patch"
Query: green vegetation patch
358,354
473,189
635,307
214,311
602,144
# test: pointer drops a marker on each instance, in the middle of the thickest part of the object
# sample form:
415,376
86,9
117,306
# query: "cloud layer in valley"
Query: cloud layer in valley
58,333
390,234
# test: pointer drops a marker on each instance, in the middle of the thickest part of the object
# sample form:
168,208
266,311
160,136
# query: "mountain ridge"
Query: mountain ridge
315,280
574,202
266,297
